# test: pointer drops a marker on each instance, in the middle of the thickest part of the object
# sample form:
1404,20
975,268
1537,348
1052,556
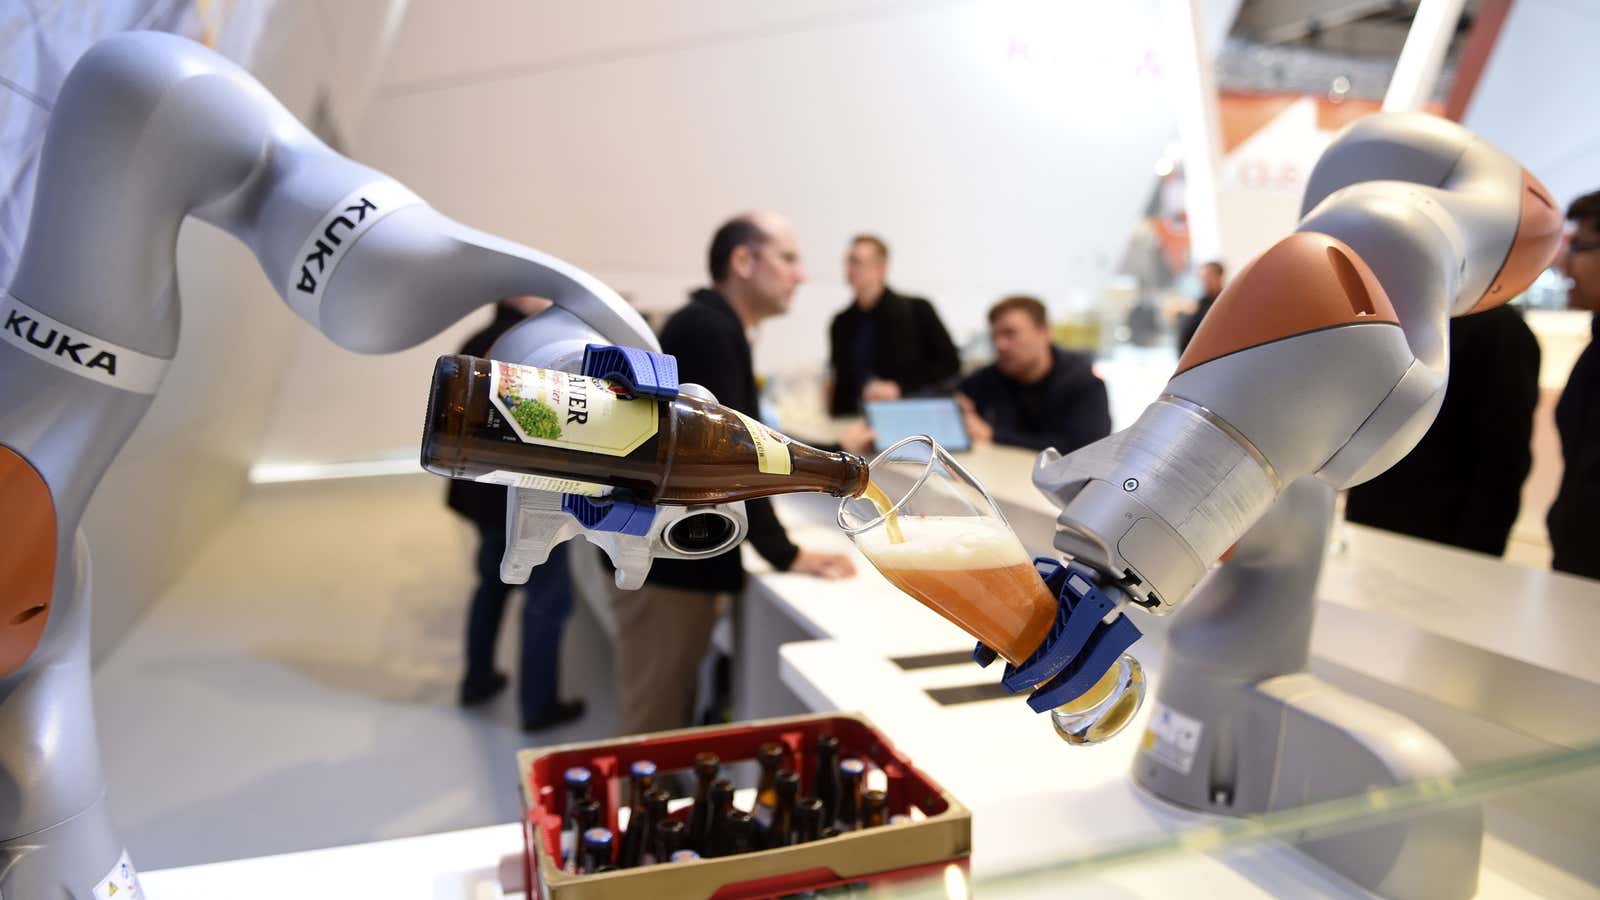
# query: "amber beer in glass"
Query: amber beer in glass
934,533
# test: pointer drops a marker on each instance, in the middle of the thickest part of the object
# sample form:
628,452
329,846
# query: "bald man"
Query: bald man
664,627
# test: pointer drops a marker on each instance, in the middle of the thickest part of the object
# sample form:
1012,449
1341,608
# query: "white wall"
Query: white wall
1536,97
183,470
1534,101
997,146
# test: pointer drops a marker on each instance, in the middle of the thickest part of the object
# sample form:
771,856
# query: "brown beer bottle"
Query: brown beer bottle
721,800
770,757
780,833
706,767
874,808
539,428
641,780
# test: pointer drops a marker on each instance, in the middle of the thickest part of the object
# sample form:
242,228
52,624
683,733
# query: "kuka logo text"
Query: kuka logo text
60,343
322,252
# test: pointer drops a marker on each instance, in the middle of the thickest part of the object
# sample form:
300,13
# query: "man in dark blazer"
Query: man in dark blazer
884,346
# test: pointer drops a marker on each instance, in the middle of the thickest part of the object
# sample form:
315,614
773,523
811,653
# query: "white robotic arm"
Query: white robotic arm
1321,365
1326,357
149,129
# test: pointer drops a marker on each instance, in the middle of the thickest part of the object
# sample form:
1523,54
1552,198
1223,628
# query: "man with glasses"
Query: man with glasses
1574,519
664,628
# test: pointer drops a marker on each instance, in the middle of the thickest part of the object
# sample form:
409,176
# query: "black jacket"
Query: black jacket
1574,519
1065,410
908,345
1189,324
712,351
484,504
1462,483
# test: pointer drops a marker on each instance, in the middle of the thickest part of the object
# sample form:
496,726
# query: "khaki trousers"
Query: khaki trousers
662,633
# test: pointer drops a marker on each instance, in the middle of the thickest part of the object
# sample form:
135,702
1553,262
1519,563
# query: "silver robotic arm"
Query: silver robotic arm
1321,365
1325,358
149,129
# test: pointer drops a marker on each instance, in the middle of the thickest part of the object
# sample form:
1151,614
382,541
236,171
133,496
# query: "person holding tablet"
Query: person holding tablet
1035,395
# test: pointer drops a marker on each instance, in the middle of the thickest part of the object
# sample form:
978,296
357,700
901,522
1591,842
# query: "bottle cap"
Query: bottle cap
706,764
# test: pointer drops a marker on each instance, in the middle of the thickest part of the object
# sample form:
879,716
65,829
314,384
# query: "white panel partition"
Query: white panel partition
998,147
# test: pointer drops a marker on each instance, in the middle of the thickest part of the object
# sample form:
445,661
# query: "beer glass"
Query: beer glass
933,531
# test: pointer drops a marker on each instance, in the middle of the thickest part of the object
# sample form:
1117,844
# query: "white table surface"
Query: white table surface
457,865
1388,604
1037,802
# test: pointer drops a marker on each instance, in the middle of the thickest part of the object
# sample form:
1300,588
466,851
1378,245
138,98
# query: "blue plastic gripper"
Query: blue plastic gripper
642,372
622,516
1079,649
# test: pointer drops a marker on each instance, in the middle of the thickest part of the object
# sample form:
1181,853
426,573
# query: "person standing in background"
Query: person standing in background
547,597
664,627
884,345
1035,395
1210,289
1462,483
1574,519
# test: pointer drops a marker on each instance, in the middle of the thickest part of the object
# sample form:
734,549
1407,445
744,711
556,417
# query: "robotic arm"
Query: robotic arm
1321,365
1325,358
148,130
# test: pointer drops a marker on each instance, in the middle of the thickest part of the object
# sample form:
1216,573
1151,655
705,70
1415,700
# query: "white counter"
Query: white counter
1509,644
1467,632
457,865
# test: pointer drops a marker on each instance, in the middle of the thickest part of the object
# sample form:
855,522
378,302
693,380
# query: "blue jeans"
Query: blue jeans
548,602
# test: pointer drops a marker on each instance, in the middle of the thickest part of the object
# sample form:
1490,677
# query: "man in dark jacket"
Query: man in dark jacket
664,627
884,346
547,597
1574,519
1462,483
1210,289
1036,395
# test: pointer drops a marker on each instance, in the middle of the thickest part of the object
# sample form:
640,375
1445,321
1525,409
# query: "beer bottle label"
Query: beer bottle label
772,449
544,483
564,409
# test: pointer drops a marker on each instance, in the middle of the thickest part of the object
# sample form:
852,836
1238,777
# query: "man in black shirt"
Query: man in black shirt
1462,483
884,346
1574,519
1036,395
663,628
1210,289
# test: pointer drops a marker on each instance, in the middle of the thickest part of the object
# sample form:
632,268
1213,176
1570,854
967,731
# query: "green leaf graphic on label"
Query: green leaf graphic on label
566,409
537,419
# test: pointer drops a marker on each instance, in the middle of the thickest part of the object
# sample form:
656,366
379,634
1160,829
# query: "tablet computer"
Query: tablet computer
937,417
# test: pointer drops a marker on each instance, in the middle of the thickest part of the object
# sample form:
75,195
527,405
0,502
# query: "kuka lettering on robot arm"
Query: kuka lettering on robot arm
1326,357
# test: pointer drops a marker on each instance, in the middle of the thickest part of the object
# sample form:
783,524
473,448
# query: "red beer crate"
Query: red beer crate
923,848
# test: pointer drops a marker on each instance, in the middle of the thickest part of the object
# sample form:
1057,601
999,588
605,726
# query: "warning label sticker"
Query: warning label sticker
1172,738
122,882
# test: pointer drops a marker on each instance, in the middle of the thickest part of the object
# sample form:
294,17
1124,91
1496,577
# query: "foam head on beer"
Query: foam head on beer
974,572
